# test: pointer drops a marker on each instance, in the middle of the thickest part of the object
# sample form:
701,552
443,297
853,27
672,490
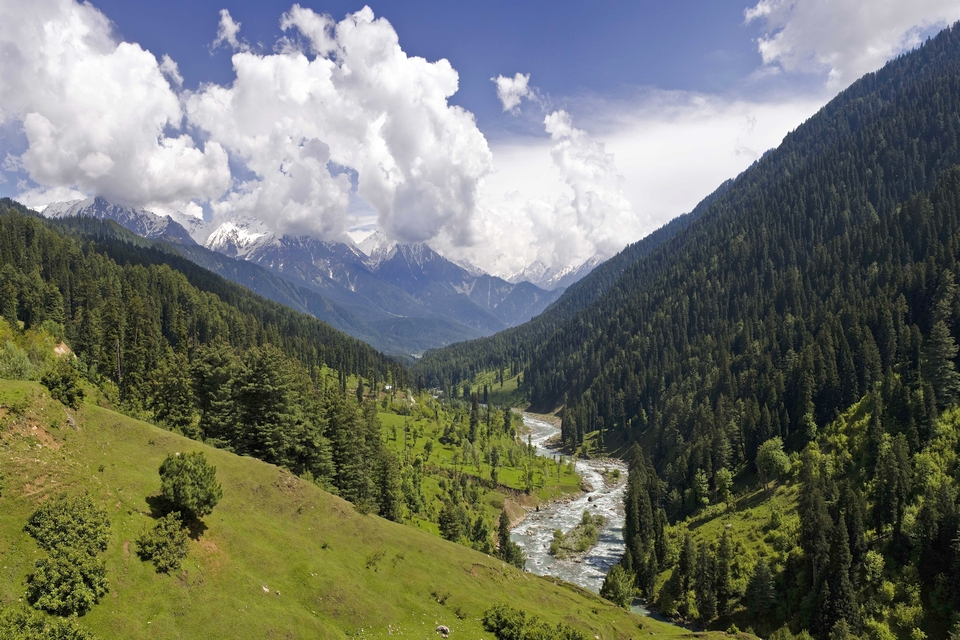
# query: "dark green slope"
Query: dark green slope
462,361
886,138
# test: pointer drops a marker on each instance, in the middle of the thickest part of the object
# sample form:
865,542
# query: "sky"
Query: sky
499,133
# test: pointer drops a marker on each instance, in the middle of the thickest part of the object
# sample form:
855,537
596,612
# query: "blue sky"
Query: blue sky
325,119
569,48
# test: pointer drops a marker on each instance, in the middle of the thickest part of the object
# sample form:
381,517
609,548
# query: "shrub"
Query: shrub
165,543
70,522
22,623
15,363
189,484
67,582
63,381
508,623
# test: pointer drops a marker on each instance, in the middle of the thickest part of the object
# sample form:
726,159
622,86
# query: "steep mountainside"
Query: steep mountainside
463,361
123,301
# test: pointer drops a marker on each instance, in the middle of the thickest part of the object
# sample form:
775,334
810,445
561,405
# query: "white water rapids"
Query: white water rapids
535,533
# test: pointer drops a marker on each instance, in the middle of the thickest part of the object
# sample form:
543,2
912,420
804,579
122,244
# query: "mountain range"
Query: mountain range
402,299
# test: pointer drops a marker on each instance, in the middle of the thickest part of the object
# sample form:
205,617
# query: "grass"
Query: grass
279,558
507,395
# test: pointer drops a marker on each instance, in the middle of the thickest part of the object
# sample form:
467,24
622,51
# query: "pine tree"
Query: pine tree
938,366
815,522
844,599
760,590
704,584
171,398
474,417
722,579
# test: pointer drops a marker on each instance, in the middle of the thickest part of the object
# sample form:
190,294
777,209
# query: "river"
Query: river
535,533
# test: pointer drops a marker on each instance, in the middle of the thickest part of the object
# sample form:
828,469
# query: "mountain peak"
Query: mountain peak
136,219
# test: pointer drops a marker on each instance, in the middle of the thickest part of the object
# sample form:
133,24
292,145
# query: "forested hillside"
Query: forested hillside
824,277
510,349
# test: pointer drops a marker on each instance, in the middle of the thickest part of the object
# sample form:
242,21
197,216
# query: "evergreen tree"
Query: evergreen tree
705,584
760,590
474,417
939,370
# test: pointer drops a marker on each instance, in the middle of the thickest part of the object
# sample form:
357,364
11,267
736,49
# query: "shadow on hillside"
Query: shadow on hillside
159,507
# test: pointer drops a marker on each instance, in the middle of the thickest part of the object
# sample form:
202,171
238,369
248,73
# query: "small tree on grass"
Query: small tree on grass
165,543
70,522
189,484
618,587
72,578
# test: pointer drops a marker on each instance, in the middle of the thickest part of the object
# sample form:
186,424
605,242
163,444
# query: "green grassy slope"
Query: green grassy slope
280,557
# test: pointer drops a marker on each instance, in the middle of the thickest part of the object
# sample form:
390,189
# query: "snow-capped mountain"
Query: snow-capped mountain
554,278
137,219
235,238
399,297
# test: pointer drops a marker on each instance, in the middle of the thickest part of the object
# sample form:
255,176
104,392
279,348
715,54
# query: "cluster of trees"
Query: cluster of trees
190,490
701,585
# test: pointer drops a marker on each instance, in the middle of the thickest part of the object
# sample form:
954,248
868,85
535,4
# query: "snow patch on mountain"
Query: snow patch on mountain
554,278
236,238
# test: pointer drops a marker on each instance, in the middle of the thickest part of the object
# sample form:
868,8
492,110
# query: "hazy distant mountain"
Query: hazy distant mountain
554,278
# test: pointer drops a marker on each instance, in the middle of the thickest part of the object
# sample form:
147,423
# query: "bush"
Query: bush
67,582
70,522
508,623
165,543
15,363
22,623
63,381
189,484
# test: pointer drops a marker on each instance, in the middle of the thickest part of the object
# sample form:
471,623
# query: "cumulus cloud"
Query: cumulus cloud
338,99
843,38
227,33
511,91
568,205
97,113
561,200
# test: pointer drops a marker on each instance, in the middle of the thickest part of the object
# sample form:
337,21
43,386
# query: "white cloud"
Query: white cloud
347,97
96,112
511,91
227,33
844,38
568,205
170,69
562,200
